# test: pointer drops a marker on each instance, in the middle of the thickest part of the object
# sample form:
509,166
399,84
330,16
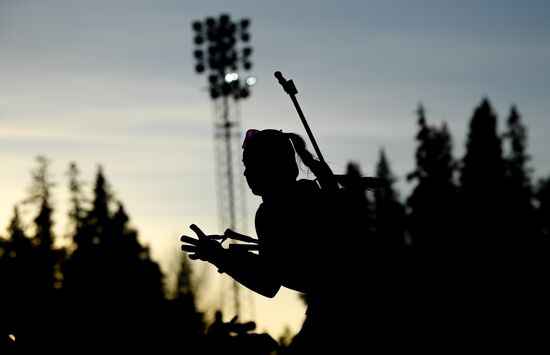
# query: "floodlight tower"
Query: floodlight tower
223,53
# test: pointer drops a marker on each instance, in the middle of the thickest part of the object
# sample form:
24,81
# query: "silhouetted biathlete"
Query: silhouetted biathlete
298,229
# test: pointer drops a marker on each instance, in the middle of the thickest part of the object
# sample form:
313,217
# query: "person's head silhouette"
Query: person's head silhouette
269,160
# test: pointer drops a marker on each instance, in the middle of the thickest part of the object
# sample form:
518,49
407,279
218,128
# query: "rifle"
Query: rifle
328,180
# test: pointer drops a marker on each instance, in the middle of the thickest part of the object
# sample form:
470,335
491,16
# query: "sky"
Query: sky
113,83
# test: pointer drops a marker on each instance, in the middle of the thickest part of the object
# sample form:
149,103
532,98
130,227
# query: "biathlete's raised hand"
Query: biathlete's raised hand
204,247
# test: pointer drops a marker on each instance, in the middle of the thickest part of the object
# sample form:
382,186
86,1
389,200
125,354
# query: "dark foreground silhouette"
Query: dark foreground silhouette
363,294
472,276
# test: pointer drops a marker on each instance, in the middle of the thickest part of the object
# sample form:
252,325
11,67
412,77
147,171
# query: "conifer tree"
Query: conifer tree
186,320
116,287
432,202
482,181
389,213
46,257
77,202
38,273
17,242
520,214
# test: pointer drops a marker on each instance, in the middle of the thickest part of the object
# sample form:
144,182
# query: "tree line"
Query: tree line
104,291
488,198
463,261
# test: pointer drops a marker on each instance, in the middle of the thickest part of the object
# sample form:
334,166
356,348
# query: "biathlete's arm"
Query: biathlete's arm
249,269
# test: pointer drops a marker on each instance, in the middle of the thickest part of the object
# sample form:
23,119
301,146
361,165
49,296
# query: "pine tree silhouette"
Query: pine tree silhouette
519,220
114,286
432,203
36,274
482,181
388,210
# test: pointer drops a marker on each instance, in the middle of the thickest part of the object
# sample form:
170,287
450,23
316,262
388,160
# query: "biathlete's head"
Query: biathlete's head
269,157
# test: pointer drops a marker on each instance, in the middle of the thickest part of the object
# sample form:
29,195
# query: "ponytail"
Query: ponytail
321,170
305,155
